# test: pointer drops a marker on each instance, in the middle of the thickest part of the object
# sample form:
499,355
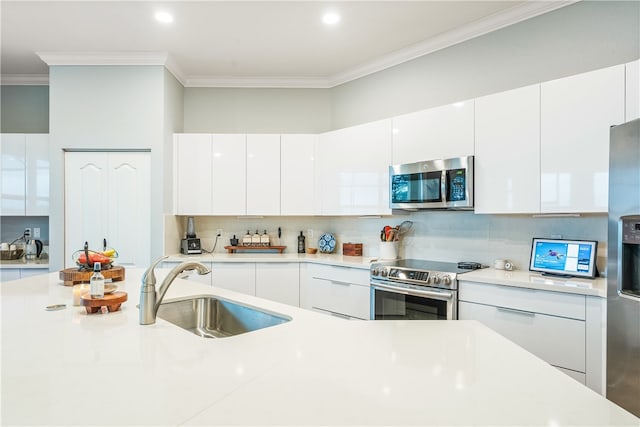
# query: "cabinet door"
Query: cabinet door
238,277
558,341
353,169
8,274
229,174
129,189
29,272
436,133
507,160
188,275
37,174
86,201
297,175
193,175
263,174
632,88
576,114
12,174
278,282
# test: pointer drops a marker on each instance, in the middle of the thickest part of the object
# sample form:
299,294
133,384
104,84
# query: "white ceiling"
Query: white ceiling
244,43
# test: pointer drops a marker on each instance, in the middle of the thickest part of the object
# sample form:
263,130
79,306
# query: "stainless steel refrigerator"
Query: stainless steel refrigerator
623,268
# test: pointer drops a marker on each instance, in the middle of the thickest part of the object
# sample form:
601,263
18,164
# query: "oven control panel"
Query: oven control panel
419,277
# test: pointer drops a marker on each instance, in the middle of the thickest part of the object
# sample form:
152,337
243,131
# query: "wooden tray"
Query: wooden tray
234,249
111,301
71,276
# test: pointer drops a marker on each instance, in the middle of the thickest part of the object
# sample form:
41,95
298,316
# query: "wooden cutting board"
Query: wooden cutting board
71,276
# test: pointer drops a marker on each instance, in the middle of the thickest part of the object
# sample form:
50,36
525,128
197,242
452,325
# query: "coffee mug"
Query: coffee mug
499,264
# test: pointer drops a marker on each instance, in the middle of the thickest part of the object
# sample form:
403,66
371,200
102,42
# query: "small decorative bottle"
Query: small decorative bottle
264,239
246,240
96,283
301,243
255,239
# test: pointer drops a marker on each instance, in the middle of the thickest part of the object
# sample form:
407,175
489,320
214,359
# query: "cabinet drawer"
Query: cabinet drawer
340,297
533,300
558,341
340,274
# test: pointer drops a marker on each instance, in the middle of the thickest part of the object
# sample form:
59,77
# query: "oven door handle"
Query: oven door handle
414,292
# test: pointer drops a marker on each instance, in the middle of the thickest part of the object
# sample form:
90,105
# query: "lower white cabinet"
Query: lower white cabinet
189,275
278,282
238,277
563,329
7,274
338,291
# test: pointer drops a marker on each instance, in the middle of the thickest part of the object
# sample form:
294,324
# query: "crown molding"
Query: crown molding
24,79
103,58
281,82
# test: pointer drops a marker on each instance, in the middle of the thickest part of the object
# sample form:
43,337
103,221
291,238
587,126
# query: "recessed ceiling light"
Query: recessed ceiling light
331,18
164,17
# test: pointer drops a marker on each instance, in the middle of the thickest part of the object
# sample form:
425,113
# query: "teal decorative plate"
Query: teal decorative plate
327,243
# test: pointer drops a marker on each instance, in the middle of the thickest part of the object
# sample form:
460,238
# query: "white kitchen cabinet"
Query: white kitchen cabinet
279,282
337,291
297,175
107,196
238,277
576,114
632,90
565,330
437,133
30,272
193,174
263,174
8,274
353,169
229,191
24,174
507,152
191,275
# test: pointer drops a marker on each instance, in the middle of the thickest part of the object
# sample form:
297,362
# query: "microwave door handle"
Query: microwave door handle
414,292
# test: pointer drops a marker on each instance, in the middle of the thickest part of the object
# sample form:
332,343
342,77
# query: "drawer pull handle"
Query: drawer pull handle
513,310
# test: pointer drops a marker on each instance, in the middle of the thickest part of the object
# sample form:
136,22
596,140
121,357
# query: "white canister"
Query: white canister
388,250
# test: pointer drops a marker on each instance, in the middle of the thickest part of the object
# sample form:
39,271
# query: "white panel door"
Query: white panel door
129,204
576,114
193,175
37,174
353,169
297,175
86,201
12,174
632,110
229,174
279,282
263,174
436,133
507,160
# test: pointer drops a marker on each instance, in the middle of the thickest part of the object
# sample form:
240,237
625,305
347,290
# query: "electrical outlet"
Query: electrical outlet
36,233
310,233
219,232
27,233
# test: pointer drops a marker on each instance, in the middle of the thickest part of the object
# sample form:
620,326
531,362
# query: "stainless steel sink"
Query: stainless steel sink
212,317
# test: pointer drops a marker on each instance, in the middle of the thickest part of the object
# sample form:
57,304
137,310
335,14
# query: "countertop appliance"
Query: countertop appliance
623,268
435,184
411,289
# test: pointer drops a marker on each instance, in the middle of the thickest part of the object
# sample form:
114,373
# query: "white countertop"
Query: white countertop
69,368
526,279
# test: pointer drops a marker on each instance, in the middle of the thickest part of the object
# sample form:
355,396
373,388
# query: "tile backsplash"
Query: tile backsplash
12,227
435,235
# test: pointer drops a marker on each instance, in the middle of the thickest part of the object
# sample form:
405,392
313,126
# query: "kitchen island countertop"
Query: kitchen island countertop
69,368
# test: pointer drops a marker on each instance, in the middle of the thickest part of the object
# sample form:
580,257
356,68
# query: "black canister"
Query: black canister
301,243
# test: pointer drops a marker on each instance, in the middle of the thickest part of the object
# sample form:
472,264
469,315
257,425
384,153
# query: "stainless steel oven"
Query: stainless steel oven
412,289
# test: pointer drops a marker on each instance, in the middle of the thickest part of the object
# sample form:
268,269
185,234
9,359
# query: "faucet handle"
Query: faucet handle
149,278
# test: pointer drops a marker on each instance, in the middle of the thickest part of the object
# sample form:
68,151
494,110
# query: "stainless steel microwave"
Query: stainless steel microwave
434,184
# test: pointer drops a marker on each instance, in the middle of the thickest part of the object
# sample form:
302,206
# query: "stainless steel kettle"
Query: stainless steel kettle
33,249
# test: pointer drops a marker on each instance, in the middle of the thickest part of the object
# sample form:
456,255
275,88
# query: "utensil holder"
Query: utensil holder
388,250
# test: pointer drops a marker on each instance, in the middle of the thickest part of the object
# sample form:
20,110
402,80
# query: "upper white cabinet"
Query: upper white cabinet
507,159
436,133
229,171
632,91
353,176
297,175
576,114
24,174
263,174
193,174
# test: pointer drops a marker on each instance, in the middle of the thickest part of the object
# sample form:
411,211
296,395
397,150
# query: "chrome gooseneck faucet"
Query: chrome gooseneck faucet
150,299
